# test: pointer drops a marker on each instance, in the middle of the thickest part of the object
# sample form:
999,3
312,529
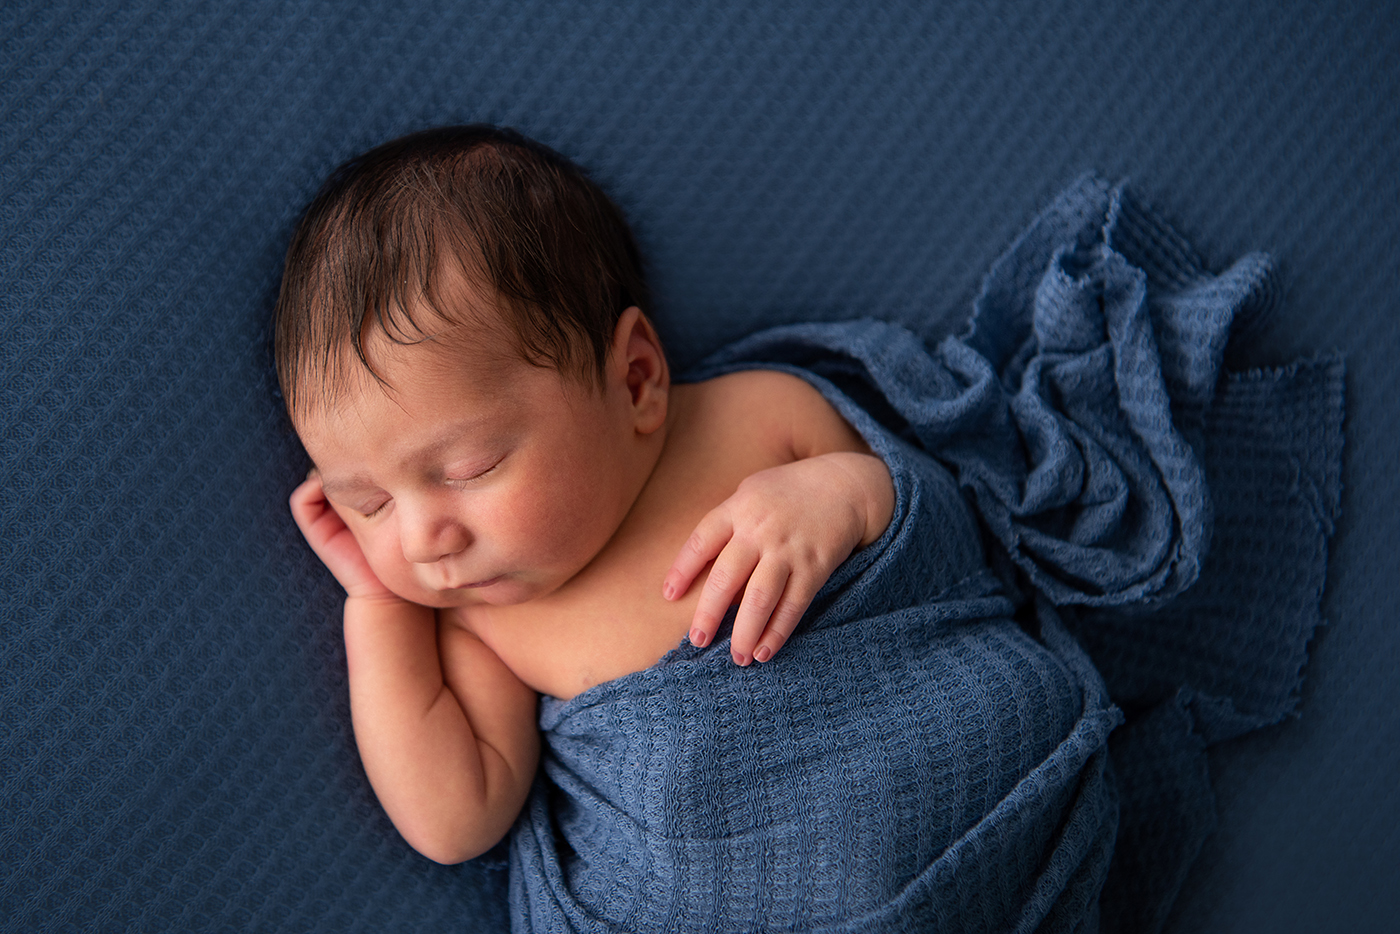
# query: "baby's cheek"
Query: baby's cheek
571,536
387,562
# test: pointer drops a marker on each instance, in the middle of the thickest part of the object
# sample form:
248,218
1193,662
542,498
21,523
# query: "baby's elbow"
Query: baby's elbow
451,835
444,856
450,857
460,823
450,849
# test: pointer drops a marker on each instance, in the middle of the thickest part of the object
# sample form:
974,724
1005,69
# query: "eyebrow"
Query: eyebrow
334,488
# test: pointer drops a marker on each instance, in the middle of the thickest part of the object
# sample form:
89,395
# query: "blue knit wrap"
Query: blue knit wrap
931,750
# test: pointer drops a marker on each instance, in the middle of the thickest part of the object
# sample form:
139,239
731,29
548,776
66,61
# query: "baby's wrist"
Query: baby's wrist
378,600
879,504
872,493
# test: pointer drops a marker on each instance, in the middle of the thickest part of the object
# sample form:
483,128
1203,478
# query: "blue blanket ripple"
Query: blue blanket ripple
936,748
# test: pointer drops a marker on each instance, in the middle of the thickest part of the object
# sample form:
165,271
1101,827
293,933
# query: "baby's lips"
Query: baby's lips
475,585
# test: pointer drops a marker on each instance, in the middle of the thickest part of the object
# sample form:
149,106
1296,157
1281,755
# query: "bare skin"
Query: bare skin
502,529
611,619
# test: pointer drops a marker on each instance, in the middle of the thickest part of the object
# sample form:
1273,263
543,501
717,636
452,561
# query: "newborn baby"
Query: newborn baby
504,472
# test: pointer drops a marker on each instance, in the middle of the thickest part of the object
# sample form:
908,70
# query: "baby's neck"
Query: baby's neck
647,461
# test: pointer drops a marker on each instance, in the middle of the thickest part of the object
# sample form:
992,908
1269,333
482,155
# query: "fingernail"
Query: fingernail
697,638
763,654
667,590
741,660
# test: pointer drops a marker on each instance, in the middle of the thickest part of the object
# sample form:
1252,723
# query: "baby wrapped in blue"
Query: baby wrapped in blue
932,750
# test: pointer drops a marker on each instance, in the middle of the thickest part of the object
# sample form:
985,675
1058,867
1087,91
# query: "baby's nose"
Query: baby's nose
429,538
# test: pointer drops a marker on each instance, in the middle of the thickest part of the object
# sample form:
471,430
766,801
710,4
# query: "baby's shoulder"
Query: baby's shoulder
777,407
747,386
761,398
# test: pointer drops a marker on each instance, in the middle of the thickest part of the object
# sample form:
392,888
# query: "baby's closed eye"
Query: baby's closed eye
371,511
469,473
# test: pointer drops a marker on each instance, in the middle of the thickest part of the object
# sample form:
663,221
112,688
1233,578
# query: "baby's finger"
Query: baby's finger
788,613
762,595
731,569
308,502
310,488
315,516
702,547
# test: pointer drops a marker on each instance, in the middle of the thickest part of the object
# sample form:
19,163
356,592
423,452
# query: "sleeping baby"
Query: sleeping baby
796,642
504,470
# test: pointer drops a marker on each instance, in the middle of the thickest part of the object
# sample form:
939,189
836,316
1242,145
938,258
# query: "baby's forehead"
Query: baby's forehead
459,368
364,414
424,338
389,368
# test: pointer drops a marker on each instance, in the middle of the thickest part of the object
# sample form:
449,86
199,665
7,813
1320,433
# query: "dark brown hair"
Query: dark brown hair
514,216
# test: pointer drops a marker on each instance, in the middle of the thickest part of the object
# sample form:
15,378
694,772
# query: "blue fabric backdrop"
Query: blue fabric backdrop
175,750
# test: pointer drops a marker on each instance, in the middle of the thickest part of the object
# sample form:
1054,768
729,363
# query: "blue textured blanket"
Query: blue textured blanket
932,750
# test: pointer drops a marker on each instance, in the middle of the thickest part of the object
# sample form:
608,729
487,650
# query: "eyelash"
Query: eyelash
473,478
380,508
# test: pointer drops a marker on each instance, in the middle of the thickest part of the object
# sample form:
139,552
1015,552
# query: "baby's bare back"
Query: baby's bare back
611,619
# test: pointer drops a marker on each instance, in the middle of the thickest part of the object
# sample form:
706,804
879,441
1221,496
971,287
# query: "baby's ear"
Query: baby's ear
637,357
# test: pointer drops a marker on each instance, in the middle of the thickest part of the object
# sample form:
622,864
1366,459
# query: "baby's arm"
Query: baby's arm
785,529
446,732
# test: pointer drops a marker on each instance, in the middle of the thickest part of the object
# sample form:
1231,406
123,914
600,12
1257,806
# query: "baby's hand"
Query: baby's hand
333,542
777,539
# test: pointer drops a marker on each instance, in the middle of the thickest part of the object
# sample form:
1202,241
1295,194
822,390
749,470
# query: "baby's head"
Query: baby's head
462,347
394,231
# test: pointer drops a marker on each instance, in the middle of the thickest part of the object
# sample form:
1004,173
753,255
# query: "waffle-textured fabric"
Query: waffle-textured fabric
913,760
175,746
